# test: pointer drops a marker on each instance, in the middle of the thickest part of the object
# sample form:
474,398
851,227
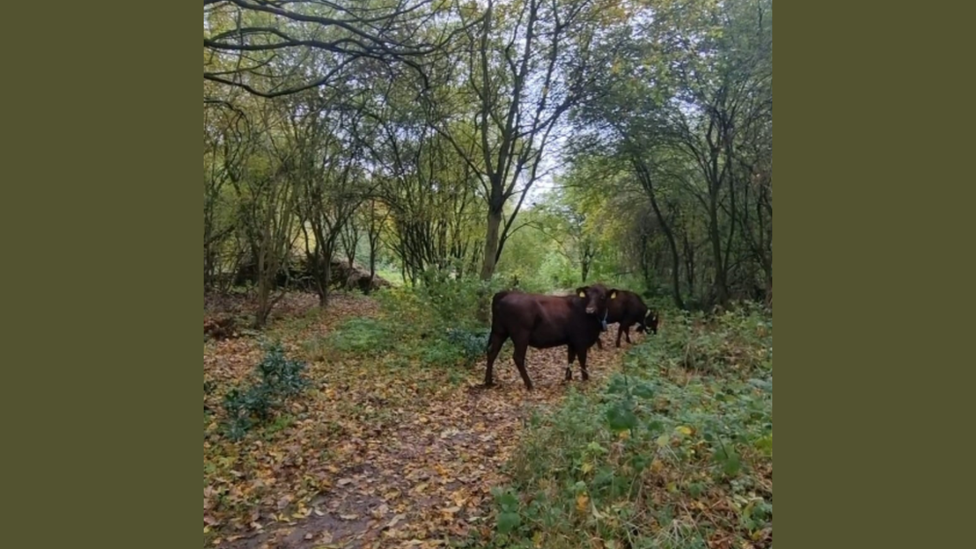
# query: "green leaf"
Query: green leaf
595,448
508,521
644,391
765,444
621,418
729,460
508,502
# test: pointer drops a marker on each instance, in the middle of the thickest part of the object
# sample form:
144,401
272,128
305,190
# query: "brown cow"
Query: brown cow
545,321
628,309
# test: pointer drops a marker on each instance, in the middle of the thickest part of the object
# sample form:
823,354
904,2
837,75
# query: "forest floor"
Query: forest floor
381,450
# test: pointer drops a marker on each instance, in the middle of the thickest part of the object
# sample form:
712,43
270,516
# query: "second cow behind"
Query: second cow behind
628,309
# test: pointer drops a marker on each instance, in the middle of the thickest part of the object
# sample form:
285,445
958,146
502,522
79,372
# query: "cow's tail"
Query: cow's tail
495,302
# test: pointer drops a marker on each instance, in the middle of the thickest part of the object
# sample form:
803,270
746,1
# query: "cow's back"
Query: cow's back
542,320
626,306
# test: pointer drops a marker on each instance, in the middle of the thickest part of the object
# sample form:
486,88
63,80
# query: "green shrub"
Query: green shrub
458,303
472,343
280,378
279,374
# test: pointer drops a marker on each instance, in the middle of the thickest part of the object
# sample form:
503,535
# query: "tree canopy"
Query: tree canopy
552,141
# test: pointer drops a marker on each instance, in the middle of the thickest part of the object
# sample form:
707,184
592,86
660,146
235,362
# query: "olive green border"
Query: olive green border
868,447
101,269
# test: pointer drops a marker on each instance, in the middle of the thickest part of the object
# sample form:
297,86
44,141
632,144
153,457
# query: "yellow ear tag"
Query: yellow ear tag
582,294
613,295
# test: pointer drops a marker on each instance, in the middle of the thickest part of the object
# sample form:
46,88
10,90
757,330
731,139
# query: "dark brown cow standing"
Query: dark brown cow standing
628,309
545,321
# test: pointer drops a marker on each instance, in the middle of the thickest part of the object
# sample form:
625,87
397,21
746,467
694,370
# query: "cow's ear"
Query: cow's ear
581,291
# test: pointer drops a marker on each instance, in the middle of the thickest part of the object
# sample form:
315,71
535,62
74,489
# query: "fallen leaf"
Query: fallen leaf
656,466
581,501
395,520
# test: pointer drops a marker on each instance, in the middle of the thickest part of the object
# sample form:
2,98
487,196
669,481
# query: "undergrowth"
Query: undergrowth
433,325
675,451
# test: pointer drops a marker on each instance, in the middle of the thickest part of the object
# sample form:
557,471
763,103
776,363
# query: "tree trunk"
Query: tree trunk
372,266
720,284
265,287
648,184
326,281
491,243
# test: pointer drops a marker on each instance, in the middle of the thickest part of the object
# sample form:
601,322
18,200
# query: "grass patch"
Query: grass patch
363,336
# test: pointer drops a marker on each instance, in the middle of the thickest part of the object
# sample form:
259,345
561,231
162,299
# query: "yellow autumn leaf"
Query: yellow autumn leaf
683,430
624,435
656,466
537,539
581,501
587,467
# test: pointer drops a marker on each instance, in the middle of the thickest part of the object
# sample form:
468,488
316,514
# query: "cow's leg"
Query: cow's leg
627,334
494,347
599,343
582,361
620,330
520,348
569,365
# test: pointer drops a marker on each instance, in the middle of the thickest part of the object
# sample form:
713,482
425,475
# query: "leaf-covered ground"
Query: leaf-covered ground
383,449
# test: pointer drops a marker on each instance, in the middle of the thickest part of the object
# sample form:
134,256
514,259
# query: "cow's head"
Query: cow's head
650,321
595,299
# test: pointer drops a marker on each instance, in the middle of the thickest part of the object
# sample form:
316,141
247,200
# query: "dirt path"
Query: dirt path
393,459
